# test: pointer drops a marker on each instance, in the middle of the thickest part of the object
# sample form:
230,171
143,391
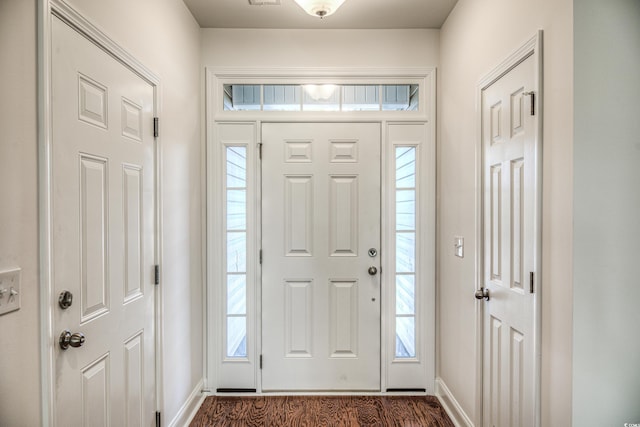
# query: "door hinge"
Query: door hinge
156,274
158,419
531,280
533,101
260,150
260,361
156,127
260,256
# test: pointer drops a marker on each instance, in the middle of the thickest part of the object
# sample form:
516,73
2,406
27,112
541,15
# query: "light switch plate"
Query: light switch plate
9,291
458,244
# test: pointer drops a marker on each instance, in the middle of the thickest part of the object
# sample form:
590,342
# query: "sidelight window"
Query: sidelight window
236,251
405,252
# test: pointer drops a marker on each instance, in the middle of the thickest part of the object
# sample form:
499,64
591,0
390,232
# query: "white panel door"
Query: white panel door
320,217
509,196
103,235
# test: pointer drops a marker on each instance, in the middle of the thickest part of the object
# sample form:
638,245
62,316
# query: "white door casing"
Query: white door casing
321,215
103,235
409,372
510,144
241,372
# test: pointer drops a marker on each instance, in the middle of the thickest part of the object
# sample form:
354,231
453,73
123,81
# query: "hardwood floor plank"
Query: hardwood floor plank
329,411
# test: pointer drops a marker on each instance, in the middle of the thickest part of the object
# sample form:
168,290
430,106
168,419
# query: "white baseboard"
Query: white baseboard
190,408
451,405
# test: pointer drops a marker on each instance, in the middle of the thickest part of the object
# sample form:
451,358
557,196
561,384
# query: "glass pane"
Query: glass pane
405,167
236,294
405,252
321,98
241,97
236,209
237,336
236,252
400,97
282,97
405,337
360,98
406,210
236,167
405,294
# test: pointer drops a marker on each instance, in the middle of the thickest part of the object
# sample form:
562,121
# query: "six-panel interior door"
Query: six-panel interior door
320,217
103,236
509,175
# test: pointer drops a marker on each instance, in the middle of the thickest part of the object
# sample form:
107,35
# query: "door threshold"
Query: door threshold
253,392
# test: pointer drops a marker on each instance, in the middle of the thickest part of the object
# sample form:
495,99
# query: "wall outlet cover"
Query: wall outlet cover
9,291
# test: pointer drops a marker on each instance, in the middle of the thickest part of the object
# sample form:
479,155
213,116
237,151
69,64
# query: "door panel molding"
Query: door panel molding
47,11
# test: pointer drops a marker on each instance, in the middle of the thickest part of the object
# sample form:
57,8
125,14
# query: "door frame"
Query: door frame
531,48
215,116
47,10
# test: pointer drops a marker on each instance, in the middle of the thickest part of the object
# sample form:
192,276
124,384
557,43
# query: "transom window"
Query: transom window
321,97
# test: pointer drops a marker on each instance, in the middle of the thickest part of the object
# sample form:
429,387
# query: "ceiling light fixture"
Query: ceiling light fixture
320,8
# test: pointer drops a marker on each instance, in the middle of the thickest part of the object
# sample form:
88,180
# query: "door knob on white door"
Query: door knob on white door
372,270
482,293
68,339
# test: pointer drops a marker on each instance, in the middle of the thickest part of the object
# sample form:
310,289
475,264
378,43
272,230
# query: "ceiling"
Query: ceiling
372,14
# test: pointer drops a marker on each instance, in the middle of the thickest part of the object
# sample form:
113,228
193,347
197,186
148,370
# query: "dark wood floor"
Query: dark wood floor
307,411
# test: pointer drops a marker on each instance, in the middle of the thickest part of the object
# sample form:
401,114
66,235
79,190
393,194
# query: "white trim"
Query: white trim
212,252
424,77
44,213
422,366
257,246
159,308
216,278
451,405
214,78
74,19
290,73
189,409
204,211
47,9
531,48
385,256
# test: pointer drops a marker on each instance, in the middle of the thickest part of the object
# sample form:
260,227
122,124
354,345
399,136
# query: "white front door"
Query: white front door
320,218
103,236
509,199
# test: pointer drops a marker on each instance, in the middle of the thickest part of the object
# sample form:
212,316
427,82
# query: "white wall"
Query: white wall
19,330
606,367
164,36
319,48
476,37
